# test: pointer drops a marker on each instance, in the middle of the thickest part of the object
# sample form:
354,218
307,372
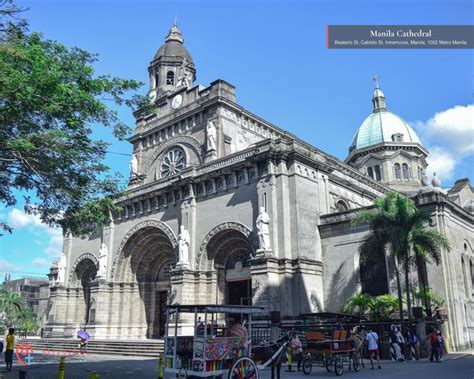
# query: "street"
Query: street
459,366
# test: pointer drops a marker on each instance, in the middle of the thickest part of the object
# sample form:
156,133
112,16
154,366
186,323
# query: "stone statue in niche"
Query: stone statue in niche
102,272
133,166
61,269
184,241
211,136
263,229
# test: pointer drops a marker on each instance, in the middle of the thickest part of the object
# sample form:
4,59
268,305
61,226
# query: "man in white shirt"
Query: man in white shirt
373,347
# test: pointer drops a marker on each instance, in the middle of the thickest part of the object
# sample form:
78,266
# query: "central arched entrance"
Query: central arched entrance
229,252
83,273
147,256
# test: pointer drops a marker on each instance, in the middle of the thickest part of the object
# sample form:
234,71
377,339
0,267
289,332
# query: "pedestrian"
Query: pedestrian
396,342
372,339
82,345
297,350
10,340
434,346
414,345
440,345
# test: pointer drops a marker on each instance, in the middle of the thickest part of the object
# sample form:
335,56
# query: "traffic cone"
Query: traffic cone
62,362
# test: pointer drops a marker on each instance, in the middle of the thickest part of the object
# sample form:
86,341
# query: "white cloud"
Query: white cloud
40,262
7,266
449,137
55,244
442,162
453,128
19,219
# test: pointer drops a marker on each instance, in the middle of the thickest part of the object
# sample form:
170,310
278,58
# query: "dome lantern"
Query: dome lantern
378,99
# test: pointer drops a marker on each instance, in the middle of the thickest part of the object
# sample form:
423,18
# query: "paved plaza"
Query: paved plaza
459,366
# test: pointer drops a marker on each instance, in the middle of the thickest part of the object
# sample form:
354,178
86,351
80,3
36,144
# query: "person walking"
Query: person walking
440,345
434,346
372,339
297,350
397,342
414,345
82,345
10,340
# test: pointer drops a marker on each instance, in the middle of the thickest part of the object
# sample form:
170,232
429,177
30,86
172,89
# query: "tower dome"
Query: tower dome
387,149
173,46
172,66
380,127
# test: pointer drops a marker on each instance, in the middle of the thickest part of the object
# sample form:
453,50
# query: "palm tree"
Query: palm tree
10,303
396,223
359,302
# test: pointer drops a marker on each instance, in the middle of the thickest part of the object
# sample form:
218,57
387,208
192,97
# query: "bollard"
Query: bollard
94,375
61,368
289,356
160,366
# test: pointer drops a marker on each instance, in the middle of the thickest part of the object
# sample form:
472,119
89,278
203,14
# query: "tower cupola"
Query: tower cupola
172,66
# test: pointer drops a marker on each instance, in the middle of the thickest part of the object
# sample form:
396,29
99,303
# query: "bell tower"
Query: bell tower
172,66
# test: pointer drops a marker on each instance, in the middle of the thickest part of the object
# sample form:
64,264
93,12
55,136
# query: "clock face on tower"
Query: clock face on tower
176,102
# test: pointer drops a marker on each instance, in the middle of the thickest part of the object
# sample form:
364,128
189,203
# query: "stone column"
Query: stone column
57,319
266,291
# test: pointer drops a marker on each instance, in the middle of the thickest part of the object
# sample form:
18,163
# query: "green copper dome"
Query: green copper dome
382,126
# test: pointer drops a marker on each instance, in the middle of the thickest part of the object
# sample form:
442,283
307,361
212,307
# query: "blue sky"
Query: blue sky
274,53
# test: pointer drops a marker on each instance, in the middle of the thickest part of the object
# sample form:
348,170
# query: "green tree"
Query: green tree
10,304
427,298
49,100
358,304
28,320
396,223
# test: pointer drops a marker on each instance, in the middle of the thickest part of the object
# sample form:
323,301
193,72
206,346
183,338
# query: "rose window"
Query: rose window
173,163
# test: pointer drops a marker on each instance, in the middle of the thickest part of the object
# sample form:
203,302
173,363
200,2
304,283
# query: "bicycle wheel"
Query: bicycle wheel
243,368
307,365
338,364
329,363
356,363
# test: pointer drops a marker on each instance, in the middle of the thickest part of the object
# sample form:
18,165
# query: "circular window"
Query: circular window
173,162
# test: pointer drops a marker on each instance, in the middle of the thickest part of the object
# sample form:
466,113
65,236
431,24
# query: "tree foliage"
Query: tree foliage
377,308
50,98
10,304
397,223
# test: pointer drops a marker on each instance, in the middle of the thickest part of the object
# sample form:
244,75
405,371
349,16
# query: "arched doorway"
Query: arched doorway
84,272
146,258
229,252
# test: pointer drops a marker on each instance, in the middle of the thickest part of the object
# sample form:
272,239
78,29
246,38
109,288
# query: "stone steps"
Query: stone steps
138,348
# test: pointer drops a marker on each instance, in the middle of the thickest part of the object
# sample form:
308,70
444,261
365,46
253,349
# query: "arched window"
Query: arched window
398,174
378,175
157,80
466,285
370,172
170,78
341,206
472,275
405,171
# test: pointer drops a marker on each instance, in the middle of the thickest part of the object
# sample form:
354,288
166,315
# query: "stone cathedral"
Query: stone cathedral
226,208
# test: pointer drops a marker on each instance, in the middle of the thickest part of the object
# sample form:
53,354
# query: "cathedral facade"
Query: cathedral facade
225,208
